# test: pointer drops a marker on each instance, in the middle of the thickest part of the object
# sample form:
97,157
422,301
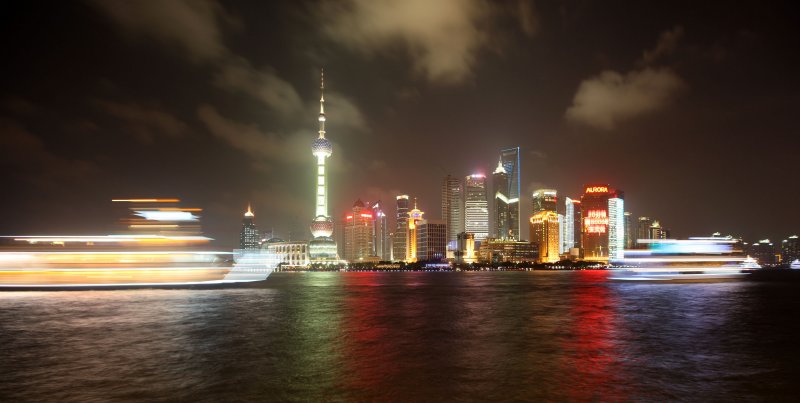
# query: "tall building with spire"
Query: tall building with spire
414,218
322,247
248,237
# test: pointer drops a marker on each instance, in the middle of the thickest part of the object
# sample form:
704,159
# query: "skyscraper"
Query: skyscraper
595,225
544,232
476,207
431,240
790,249
569,224
322,247
248,237
501,225
545,200
616,228
414,217
452,208
629,238
401,229
510,160
383,244
359,233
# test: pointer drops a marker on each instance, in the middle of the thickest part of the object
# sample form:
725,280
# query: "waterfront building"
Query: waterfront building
359,233
465,249
573,210
595,204
452,207
544,232
764,252
642,231
431,240
616,228
656,231
400,236
414,217
568,239
322,248
501,220
288,254
544,200
562,234
790,250
382,239
630,240
476,207
248,237
507,250
511,164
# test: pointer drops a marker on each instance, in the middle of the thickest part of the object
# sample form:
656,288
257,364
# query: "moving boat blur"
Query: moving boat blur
693,259
163,246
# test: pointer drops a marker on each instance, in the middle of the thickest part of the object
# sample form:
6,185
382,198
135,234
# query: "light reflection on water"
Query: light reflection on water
405,336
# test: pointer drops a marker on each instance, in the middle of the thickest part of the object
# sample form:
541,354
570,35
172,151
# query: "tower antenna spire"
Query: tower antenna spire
322,103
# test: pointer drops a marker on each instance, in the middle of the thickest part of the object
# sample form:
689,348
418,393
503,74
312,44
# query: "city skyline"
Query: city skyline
223,116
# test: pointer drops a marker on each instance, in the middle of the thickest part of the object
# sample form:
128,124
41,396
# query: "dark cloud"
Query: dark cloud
146,123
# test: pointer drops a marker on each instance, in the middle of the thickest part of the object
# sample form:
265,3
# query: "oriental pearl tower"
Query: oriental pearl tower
322,248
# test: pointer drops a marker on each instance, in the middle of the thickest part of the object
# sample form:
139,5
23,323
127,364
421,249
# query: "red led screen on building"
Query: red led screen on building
595,222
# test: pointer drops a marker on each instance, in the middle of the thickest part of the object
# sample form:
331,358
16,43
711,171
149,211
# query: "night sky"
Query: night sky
691,108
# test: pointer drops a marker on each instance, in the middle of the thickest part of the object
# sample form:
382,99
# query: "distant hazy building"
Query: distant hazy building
509,157
595,205
359,233
401,229
656,231
790,249
629,237
414,218
452,207
465,249
248,236
642,231
616,228
544,200
476,207
431,240
507,250
764,252
544,232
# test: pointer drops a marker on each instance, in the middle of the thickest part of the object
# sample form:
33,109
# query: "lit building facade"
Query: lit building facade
656,231
431,240
790,249
764,252
544,232
629,238
616,228
507,250
414,217
501,217
287,254
476,207
509,157
642,231
359,233
399,239
544,200
322,248
465,249
382,241
249,237
596,220
571,218
452,207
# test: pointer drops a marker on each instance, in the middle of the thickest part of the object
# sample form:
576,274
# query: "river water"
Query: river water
406,336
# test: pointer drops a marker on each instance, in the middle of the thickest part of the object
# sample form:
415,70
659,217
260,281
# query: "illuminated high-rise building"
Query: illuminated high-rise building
452,207
642,231
544,200
401,231
595,221
383,244
414,218
322,247
544,232
431,240
629,238
562,234
616,228
790,249
359,233
501,220
572,223
510,161
248,237
476,207
656,231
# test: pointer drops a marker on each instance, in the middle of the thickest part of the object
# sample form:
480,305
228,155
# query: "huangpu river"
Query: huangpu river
406,336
